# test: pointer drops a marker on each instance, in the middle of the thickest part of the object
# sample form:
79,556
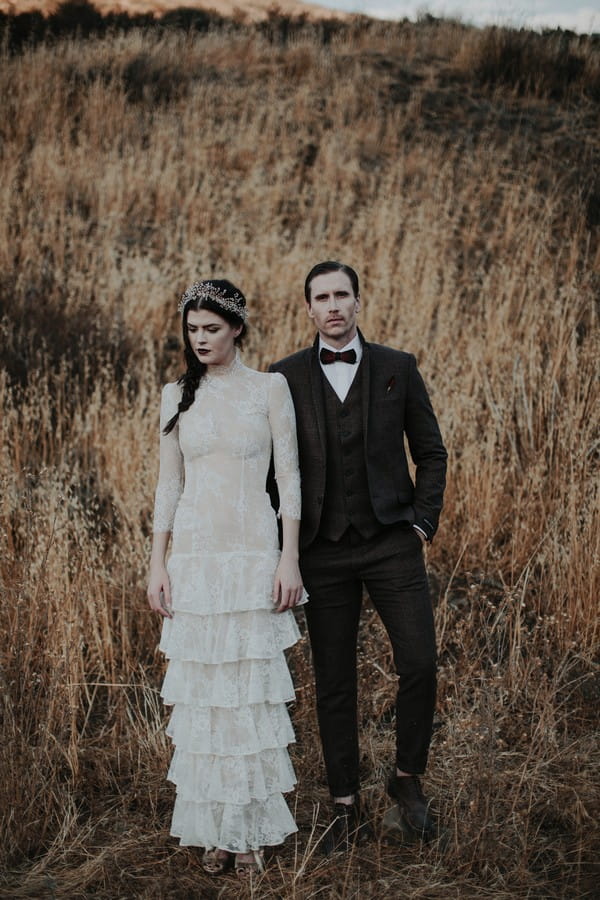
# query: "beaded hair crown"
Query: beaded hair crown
206,290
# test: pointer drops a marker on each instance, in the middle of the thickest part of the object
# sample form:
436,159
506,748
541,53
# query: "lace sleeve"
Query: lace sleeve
171,473
282,420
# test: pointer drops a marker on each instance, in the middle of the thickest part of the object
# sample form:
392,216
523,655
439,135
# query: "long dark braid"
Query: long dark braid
195,370
190,380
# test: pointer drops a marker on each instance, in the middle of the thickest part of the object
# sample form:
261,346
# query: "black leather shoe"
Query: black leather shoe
345,829
413,806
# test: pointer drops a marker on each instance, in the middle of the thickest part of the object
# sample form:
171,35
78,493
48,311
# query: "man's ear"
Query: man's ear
309,310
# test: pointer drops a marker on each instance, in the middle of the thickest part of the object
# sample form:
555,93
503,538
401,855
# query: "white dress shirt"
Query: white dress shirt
340,375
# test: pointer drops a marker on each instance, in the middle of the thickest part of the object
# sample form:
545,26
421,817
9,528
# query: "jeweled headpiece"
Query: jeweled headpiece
206,290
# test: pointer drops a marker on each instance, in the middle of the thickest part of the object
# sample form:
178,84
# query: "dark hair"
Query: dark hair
323,268
198,297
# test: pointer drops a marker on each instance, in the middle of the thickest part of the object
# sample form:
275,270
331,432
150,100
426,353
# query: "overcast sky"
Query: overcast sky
578,16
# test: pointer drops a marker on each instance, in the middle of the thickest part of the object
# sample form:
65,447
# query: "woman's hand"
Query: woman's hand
159,591
287,590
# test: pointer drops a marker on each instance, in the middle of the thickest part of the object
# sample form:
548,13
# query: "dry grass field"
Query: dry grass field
241,10
458,171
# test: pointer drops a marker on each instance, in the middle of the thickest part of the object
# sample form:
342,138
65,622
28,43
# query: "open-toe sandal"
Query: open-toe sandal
244,868
215,862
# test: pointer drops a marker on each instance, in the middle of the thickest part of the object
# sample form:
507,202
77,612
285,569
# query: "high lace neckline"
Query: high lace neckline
229,369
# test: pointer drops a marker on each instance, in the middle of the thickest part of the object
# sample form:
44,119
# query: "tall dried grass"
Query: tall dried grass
131,166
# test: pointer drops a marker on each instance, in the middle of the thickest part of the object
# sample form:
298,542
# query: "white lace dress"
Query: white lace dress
227,676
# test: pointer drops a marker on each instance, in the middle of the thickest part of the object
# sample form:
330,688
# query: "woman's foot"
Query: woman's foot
247,864
215,861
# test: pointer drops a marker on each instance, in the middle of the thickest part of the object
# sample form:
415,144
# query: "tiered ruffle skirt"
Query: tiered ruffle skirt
228,682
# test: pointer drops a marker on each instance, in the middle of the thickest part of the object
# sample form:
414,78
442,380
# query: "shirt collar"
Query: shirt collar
355,344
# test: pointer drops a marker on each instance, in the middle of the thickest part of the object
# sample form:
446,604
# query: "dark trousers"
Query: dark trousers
390,566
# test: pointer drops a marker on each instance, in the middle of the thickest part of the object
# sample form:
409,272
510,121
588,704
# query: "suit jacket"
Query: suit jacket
395,404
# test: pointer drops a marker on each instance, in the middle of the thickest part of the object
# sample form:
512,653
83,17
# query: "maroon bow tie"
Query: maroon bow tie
330,356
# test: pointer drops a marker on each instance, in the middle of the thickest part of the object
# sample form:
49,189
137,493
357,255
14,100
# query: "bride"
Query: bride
227,678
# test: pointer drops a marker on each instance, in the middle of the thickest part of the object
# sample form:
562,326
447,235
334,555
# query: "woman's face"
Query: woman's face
211,337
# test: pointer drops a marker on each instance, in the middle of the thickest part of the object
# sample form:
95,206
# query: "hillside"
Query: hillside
459,171
248,10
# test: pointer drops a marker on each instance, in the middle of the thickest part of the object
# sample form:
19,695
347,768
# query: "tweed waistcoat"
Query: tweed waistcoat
347,501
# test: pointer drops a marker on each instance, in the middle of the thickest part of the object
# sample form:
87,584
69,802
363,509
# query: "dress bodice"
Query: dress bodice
216,459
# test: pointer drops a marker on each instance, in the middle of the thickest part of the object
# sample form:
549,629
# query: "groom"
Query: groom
364,522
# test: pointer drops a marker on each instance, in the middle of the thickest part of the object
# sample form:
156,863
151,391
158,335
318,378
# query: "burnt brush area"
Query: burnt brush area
80,19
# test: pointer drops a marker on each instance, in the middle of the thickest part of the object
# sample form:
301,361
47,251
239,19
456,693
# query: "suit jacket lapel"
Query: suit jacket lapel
316,388
366,386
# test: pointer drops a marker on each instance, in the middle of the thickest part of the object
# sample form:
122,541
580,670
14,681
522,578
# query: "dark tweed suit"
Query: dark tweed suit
387,559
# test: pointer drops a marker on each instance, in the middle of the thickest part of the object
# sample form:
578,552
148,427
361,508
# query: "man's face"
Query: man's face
333,308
